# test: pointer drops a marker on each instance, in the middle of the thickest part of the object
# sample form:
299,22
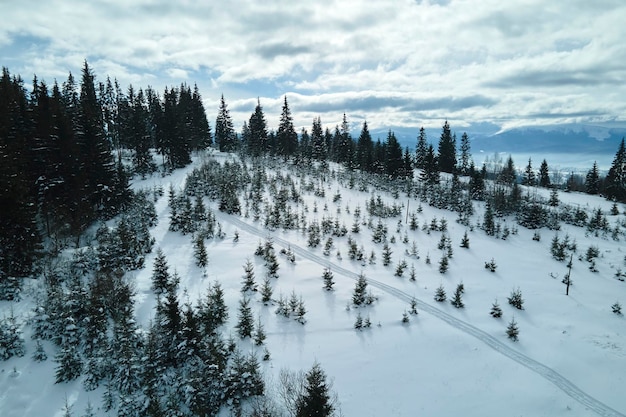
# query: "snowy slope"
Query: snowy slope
570,359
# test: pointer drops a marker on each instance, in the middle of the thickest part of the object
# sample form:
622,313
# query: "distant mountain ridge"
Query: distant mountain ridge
565,138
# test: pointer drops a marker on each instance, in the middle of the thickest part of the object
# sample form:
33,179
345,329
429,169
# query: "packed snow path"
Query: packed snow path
549,374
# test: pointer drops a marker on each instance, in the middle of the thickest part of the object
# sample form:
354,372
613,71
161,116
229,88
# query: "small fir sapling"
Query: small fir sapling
248,278
443,264
516,300
512,331
496,311
412,274
405,317
440,294
457,299
465,242
266,291
358,323
413,306
327,276
617,308
259,334
491,265
386,254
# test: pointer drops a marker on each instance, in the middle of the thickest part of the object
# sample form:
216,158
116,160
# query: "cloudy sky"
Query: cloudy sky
400,63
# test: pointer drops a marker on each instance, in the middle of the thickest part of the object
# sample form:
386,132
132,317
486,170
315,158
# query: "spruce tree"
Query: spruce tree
327,276
512,330
266,291
286,136
466,156
245,321
359,296
248,278
200,253
421,150
496,311
440,294
457,299
446,156
160,273
544,175
316,399
225,136
529,175
257,143
616,178
364,150
592,180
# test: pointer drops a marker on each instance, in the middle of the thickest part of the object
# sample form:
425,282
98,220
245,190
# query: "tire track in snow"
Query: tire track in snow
542,370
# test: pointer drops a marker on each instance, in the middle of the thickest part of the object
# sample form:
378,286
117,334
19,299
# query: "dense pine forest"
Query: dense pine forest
69,154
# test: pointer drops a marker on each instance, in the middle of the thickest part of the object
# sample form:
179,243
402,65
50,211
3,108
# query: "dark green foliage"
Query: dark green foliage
245,322
508,175
544,175
248,278
616,178
617,308
457,299
443,264
592,180
528,178
446,156
11,340
286,136
327,276
316,399
257,140
394,161
466,157
440,294
496,311
491,265
512,331
465,242
516,300
225,135
266,291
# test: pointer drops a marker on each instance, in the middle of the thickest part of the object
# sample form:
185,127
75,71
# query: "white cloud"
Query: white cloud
394,62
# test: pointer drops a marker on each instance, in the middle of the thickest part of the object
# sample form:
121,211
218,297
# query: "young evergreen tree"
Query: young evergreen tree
443,264
160,273
257,140
266,291
248,278
512,330
516,300
496,311
318,143
286,136
200,253
440,294
446,156
394,161
466,156
245,320
327,276
457,299
616,178
364,150
544,175
430,171
225,136
316,399
592,180
421,150
529,175
359,296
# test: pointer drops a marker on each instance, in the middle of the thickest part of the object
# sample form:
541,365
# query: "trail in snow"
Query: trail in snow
544,371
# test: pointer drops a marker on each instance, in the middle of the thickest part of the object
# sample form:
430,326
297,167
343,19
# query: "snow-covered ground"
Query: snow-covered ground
570,359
